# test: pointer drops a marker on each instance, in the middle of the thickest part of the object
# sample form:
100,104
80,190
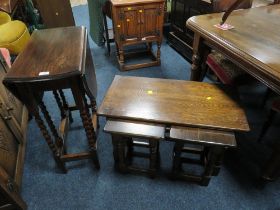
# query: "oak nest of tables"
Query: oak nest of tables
192,112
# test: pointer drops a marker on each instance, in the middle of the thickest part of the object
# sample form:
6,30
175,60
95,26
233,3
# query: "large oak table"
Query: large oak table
253,44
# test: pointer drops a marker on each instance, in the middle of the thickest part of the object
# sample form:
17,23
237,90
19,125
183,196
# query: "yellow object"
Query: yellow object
14,36
209,98
4,18
140,10
127,20
150,92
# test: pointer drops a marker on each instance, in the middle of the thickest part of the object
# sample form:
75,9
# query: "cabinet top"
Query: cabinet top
133,2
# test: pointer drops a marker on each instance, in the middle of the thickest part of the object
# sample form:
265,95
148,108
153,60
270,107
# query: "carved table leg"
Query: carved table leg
121,57
158,51
196,70
48,118
49,141
59,103
79,94
65,104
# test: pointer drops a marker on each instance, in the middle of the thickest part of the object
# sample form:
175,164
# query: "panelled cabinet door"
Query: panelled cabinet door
130,23
151,20
12,105
8,149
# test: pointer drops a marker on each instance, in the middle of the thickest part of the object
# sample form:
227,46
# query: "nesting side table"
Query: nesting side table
53,60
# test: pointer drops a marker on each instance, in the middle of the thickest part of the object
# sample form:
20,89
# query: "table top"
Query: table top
174,102
133,2
8,5
254,40
50,54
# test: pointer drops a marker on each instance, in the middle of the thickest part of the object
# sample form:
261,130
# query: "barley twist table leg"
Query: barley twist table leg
59,103
49,141
65,104
79,96
48,118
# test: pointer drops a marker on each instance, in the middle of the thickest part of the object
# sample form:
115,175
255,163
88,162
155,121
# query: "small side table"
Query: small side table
53,60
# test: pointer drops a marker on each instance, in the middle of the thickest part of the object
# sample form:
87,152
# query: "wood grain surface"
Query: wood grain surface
174,102
56,54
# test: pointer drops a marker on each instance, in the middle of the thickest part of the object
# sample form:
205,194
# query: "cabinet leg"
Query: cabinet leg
158,51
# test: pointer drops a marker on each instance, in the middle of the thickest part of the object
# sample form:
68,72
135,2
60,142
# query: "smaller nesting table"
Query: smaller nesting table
53,60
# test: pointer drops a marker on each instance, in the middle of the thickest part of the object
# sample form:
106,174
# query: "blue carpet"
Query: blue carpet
83,187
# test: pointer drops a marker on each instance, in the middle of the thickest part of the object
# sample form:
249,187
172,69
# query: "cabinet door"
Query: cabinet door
8,149
151,20
130,22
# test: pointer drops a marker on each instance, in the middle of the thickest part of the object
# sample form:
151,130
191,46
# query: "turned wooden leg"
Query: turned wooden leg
58,140
153,157
49,141
65,104
121,57
59,103
79,95
196,70
214,154
158,51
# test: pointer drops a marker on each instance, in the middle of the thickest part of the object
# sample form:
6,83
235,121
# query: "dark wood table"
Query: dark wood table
53,60
253,45
173,102
168,103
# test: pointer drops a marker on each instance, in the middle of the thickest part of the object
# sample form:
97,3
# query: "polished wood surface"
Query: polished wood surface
253,44
203,136
135,23
137,129
60,55
180,37
8,5
173,102
56,13
65,55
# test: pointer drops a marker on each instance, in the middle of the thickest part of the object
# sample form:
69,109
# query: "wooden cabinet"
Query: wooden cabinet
13,126
137,22
181,38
